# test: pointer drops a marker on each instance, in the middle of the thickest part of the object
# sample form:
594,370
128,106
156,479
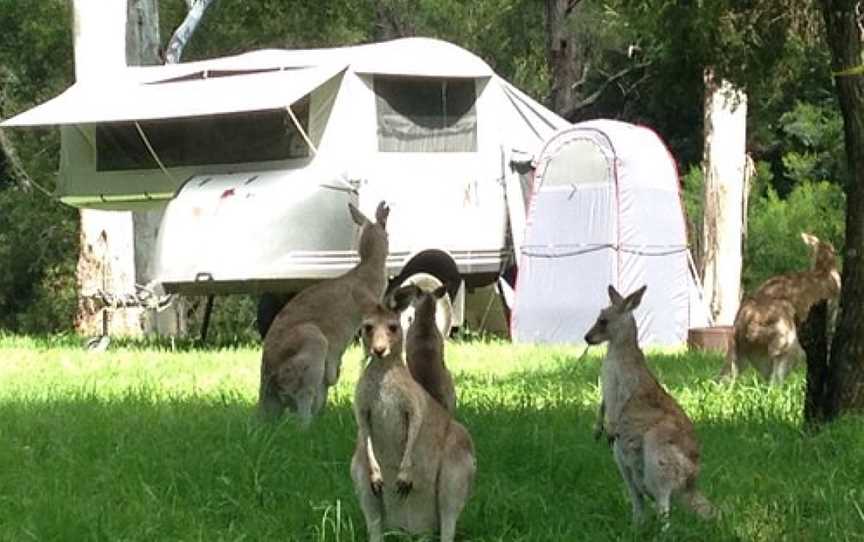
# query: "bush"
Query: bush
38,254
232,322
773,243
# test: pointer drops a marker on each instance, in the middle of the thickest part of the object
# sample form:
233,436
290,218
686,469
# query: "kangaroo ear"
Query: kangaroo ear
614,296
402,297
809,239
634,299
357,216
381,214
440,291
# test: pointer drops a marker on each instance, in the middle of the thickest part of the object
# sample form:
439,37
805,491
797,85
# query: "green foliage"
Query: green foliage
773,243
232,321
38,236
813,145
136,444
38,245
231,27
508,34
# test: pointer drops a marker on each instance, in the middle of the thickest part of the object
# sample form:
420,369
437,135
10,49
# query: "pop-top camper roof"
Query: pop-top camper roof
258,80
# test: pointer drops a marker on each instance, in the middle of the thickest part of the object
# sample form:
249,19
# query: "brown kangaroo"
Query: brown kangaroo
413,466
765,325
424,349
653,441
303,348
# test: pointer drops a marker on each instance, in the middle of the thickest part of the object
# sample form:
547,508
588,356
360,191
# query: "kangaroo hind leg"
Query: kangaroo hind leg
301,377
455,480
370,503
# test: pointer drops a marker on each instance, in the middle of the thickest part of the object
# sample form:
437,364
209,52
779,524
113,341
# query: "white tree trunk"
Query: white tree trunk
181,36
142,49
724,168
106,261
117,247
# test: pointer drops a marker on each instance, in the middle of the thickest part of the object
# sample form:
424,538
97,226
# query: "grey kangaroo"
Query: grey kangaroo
413,466
653,441
303,348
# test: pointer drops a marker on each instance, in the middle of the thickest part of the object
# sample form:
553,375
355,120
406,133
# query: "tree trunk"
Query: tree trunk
813,338
106,262
724,168
391,21
846,371
106,269
143,49
181,36
565,56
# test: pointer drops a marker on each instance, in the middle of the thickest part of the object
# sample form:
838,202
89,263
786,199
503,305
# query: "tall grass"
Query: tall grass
150,444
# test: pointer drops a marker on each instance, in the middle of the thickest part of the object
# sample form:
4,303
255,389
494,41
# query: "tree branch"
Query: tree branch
181,36
571,111
571,5
582,78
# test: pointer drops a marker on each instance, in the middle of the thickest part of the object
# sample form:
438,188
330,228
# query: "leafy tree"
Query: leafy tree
37,234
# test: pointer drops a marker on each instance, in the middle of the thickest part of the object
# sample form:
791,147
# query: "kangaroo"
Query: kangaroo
425,351
653,440
303,348
765,325
413,466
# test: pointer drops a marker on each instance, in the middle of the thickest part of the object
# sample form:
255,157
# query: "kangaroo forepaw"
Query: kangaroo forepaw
598,432
376,483
403,485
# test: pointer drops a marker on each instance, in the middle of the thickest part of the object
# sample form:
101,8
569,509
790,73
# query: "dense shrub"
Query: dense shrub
232,320
773,243
38,247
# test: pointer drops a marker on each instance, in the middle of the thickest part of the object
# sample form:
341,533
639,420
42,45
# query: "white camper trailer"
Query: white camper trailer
254,157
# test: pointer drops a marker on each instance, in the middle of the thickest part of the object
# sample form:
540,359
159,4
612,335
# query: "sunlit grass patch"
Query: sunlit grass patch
159,444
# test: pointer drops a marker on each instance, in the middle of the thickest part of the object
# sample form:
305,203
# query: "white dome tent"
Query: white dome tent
605,209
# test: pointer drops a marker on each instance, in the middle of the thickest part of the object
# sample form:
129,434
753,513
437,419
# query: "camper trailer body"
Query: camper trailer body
252,160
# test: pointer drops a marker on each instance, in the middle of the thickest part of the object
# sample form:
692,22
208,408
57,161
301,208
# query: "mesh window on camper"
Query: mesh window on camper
426,114
253,136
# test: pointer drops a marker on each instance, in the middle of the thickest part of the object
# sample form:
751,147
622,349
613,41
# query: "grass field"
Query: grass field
148,444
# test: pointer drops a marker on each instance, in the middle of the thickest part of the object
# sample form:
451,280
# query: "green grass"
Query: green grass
149,444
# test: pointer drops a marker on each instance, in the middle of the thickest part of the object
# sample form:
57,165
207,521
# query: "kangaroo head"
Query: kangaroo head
616,321
373,235
426,304
822,255
381,330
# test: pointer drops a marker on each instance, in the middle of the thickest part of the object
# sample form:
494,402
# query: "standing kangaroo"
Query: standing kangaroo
424,349
303,348
653,441
413,466
765,325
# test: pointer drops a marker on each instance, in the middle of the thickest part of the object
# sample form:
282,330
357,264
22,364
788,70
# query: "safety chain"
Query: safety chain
145,296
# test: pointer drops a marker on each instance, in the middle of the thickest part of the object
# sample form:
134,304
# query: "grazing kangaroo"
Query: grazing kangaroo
413,466
424,349
653,441
765,325
303,348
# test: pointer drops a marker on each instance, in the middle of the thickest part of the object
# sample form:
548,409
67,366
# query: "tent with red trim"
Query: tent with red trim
605,208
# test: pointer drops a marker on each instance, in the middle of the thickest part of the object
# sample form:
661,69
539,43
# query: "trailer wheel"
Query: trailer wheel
269,306
443,312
